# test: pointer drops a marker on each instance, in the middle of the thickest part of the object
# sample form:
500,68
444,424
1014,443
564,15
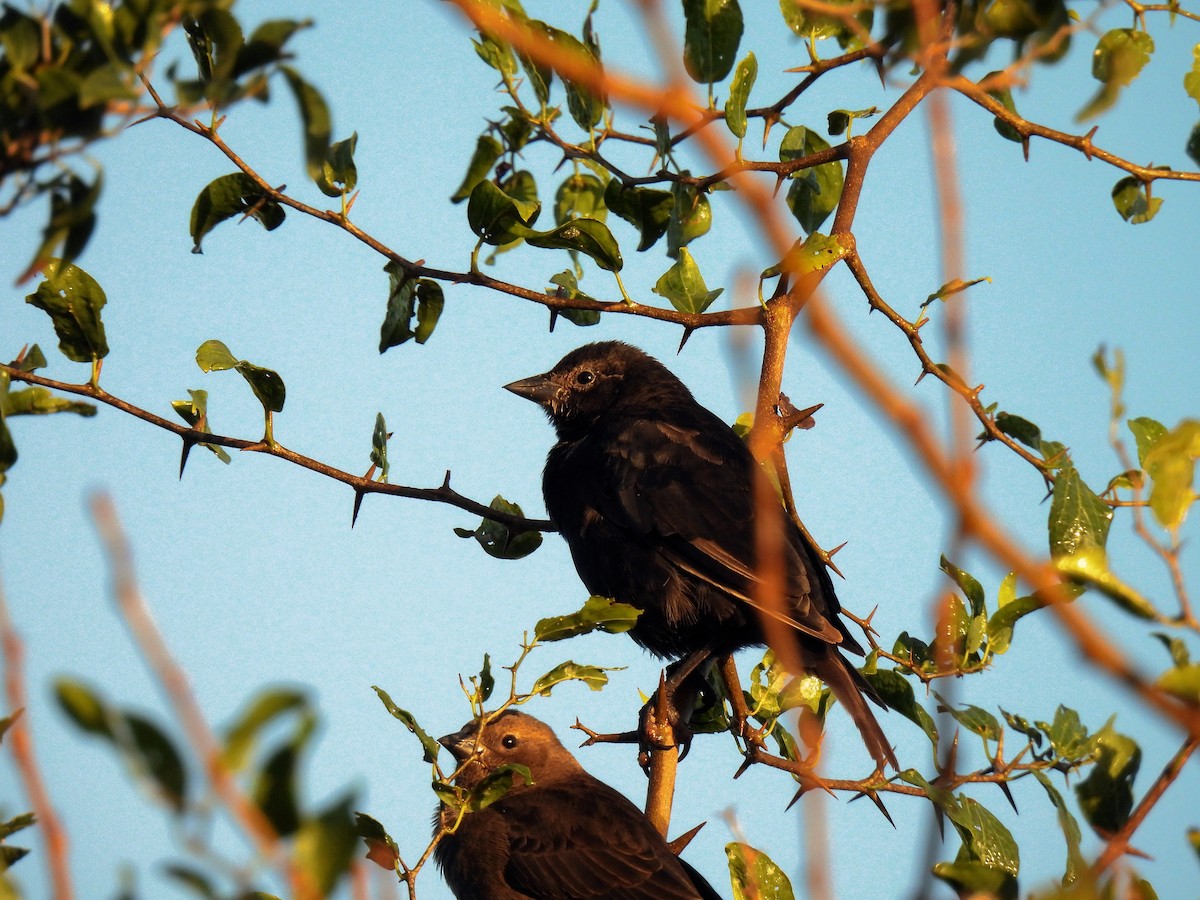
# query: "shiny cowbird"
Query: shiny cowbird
567,835
655,497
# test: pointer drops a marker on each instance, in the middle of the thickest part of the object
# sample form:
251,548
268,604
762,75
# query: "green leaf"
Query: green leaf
739,93
497,540
496,54
154,756
71,221
1176,647
950,288
1000,625
1079,520
1193,144
83,707
1076,864
1067,735
840,119
568,286
975,720
318,124
985,839
811,25
968,585
1005,98
975,879
540,76
268,387
266,44
585,107
429,745
1088,567
495,215
487,153
381,848
581,195
711,38
815,192
1106,795
324,846
684,286
897,693
487,683
73,300
1191,80
593,676
194,411
275,787
755,876
1183,682
691,217
408,297
236,194
268,706
338,168
40,401
1171,466
496,784
1118,59
588,236
646,209
379,439
1133,202
1021,724
1020,429
597,614
1146,432
814,254
193,879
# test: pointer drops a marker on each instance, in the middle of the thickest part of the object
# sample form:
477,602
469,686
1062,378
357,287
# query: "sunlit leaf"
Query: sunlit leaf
1132,201
593,676
429,745
755,876
597,614
739,93
684,286
1118,59
1171,466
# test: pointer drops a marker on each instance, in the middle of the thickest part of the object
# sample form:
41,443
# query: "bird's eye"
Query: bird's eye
509,741
584,377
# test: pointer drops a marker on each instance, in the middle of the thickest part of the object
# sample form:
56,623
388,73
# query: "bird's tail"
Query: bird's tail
852,690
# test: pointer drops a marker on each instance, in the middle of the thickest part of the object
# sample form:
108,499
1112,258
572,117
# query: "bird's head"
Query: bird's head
512,737
595,379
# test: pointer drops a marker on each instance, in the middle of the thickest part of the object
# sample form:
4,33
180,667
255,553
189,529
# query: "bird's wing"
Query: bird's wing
585,840
687,484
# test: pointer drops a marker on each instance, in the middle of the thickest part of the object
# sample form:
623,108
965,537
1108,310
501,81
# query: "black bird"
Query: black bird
655,497
567,835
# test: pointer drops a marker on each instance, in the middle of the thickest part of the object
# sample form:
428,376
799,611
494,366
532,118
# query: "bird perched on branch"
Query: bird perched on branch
566,835
655,497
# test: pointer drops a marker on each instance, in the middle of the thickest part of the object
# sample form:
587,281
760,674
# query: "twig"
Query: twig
21,741
174,683
362,485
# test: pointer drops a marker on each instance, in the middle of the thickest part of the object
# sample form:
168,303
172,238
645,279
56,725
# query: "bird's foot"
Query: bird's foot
663,721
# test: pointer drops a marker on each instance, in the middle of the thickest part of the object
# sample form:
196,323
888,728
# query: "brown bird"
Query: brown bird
655,497
566,835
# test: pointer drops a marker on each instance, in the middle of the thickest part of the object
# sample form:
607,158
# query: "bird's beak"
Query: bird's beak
461,743
538,388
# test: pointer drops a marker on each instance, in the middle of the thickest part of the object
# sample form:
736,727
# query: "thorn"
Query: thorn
831,554
879,69
1025,146
1003,785
446,481
687,333
747,762
684,839
800,793
879,805
553,319
358,499
188,443
779,180
1087,142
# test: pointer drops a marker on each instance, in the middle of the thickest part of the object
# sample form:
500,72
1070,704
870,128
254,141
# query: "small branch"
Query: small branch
21,740
441,494
1119,843
174,683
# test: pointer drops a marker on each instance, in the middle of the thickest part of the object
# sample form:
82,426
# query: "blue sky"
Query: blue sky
252,570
